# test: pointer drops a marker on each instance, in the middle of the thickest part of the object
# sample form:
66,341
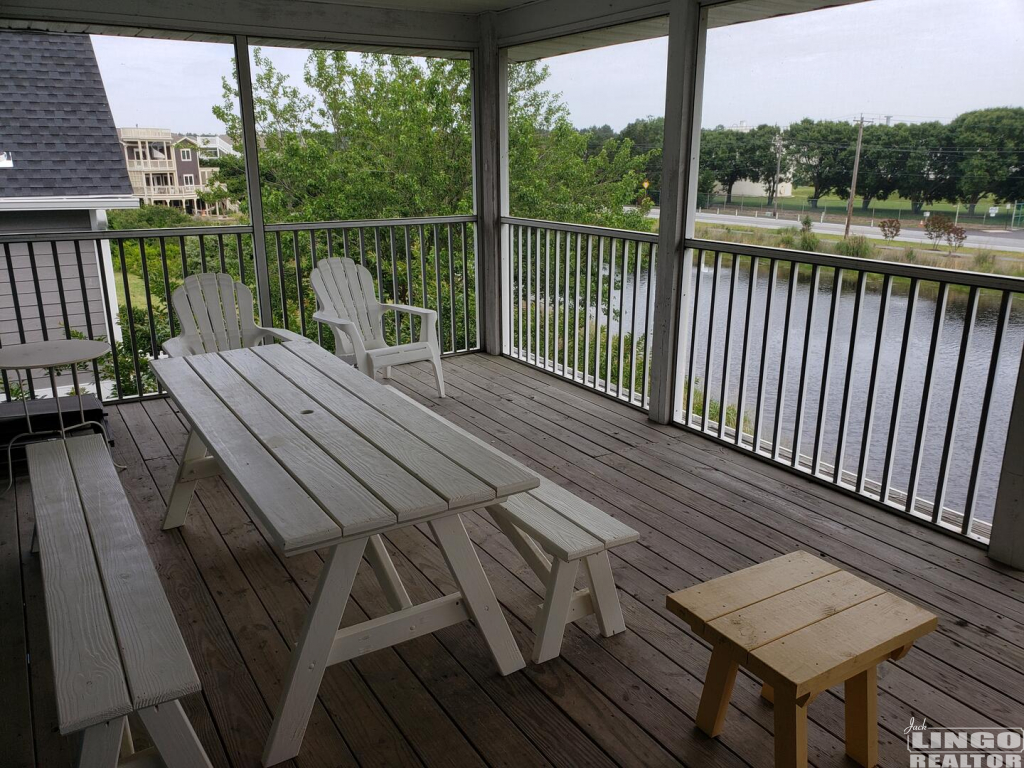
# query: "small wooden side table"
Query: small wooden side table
802,625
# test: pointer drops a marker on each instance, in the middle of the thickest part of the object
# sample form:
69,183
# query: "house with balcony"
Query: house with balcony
731,404
167,168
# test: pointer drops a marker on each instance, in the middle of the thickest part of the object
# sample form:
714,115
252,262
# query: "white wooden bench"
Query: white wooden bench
115,645
554,530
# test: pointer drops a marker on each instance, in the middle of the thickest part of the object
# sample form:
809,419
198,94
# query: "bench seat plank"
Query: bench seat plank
596,522
89,679
153,653
557,535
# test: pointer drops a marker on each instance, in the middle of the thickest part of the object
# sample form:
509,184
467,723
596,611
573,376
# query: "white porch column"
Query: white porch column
687,36
252,178
490,182
1007,540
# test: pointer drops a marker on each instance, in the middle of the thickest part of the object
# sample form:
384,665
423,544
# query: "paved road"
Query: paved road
1004,241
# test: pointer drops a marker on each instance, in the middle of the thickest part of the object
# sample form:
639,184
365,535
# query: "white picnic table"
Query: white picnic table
325,457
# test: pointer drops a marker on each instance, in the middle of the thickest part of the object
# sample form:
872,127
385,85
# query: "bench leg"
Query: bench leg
173,736
862,718
790,730
387,575
554,613
714,700
182,490
101,744
604,595
309,659
768,693
457,548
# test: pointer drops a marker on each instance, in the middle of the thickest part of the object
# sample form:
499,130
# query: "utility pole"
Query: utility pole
778,171
853,181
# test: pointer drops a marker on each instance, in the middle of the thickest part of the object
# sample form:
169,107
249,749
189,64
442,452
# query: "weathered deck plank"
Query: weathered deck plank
702,511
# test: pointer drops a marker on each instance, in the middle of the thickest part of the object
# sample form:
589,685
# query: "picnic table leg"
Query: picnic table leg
173,736
309,659
862,717
714,700
790,730
387,575
455,545
101,744
181,491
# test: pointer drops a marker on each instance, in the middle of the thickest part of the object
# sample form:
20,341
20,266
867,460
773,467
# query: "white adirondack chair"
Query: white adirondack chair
347,302
216,314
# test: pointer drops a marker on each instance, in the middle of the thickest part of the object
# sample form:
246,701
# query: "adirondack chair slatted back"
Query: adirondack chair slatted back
215,312
345,289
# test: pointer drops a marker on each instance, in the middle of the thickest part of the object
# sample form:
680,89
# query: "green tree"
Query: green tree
763,148
819,151
881,165
648,135
725,153
924,175
989,154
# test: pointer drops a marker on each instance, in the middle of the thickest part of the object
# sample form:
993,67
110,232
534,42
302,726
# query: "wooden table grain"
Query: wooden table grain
325,457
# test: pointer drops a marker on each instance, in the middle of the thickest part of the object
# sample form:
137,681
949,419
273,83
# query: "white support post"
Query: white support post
1007,539
490,182
252,178
687,36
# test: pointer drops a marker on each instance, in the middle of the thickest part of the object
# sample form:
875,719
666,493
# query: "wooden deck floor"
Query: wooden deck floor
702,511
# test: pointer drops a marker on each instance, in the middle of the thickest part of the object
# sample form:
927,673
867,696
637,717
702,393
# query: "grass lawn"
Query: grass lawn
895,207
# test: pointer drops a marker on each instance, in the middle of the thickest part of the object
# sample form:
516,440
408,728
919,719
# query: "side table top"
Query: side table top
48,354
802,621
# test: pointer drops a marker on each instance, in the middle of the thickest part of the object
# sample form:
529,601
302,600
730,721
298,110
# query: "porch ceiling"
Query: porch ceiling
531,29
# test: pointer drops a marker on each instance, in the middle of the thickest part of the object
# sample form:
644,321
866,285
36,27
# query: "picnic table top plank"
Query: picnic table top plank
491,468
404,494
365,462
89,679
421,459
341,495
291,518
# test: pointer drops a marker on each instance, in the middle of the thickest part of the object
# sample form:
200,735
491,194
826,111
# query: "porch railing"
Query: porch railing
578,303
116,285
892,381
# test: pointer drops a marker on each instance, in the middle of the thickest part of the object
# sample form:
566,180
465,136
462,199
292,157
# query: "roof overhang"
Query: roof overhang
70,203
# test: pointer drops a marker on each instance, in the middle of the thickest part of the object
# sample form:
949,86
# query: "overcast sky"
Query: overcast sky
912,59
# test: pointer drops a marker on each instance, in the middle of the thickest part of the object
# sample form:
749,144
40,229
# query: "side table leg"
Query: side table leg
714,701
862,718
790,730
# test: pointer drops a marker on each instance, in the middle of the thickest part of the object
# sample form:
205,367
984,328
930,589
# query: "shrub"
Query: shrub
955,237
890,228
984,260
807,241
937,227
805,223
857,246
908,255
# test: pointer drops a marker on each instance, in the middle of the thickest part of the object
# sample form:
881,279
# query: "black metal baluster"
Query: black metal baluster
723,403
833,313
812,298
741,399
844,413
869,411
773,272
780,395
712,311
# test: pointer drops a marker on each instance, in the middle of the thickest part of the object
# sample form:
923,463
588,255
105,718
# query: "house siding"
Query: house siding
41,313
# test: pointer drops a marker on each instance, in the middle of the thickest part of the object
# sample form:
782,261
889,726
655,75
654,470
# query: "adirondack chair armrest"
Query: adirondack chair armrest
428,326
347,327
179,346
281,334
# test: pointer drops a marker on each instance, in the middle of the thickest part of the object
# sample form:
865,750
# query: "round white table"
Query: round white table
50,355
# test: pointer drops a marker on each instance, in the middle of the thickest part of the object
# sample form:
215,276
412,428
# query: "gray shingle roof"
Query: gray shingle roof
55,119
